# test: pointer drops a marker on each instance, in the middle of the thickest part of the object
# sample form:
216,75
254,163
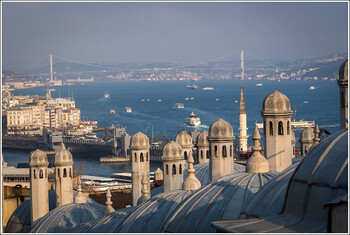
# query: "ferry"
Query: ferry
107,95
193,120
112,111
312,88
193,86
127,177
98,181
128,109
259,84
208,88
91,136
179,106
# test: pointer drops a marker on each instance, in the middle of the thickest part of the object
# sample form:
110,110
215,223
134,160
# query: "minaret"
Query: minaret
221,149
145,192
64,176
343,94
277,113
243,138
139,146
306,140
185,140
173,165
39,196
109,209
191,182
203,147
80,197
257,163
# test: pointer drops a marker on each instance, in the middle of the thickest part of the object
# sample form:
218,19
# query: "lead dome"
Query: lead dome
220,129
202,139
172,151
138,141
275,103
184,139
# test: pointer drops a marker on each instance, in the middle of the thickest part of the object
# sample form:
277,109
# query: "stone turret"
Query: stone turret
64,176
257,163
140,164
80,197
109,209
343,94
191,182
306,140
39,197
203,147
185,141
243,137
173,165
221,149
276,113
145,192
158,174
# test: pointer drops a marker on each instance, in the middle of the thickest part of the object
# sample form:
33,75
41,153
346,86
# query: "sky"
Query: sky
115,32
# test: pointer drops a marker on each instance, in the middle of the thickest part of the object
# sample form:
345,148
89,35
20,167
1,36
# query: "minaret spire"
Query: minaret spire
242,109
243,137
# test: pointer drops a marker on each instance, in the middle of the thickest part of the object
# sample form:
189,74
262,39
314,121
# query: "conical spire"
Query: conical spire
242,102
109,209
317,135
62,145
257,163
191,182
145,192
80,197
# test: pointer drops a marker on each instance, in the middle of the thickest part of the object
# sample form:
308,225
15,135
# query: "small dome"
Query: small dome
202,139
191,183
172,151
63,157
307,135
139,141
184,139
343,71
276,103
257,163
221,129
38,158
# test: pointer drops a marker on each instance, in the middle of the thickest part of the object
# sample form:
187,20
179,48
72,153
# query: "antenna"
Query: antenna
242,65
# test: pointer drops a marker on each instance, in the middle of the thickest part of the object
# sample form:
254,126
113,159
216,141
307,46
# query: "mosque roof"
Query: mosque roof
276,103
322,176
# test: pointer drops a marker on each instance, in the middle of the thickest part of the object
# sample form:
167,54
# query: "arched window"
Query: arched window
280,128
216,151
58,172
70,172
224,152
293,150
231,151
34,173
201,154
288,127
147,157
185,153
41,174
64,172
135,158
264,128
174,169
305,150
45,173
271,128
180,169
167,169
141,157
342,99
207,154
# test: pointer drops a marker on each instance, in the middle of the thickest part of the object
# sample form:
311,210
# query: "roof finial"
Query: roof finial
145,192
80,197
191,182
62,145
109,209
317,137
257,163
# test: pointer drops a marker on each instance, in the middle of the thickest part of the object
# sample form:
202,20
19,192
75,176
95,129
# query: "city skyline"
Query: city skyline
115,32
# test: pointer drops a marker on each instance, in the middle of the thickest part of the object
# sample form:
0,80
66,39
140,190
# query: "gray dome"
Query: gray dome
220,129
276,103
38,158
172,151
63,157
64,218
343,71
220,200
307,135
139,141
184,139
202,139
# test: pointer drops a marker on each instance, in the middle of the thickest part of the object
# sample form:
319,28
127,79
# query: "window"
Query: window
201,154
34,173
41,174
70,172
147,157
288,131
141,157
271,128
185,155
135,158
64,172
207,154
224,152
231,151
45,173
216,151
167,169
174,169
58,172
180,169
280,128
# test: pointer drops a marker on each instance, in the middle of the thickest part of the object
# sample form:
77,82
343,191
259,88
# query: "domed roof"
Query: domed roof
307,135
63,157
220,200
38,158
257,163
343,71
64,218
221,129
202,139
172,151
139,141
276,103
184,139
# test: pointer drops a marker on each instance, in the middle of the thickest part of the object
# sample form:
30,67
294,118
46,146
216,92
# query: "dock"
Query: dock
113,159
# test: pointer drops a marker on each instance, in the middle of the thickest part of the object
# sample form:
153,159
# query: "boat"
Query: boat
112,111
128,109
98,181
179,106
193,86
217,99
306,102
107,95
127,177
186,98
193,120
259,84
208,88
160,100
312,88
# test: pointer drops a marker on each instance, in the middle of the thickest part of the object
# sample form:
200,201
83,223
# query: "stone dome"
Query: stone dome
184,139
202,139
276,103
343,71
38,158
139,141
172,151
63,157
307,135
221,129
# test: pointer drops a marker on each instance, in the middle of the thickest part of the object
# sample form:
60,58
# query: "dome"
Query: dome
64,218
276,103
38,158
202,139
184,139
307,135
172,151
63,157
221,129
343,71
139,141
321,177
220,200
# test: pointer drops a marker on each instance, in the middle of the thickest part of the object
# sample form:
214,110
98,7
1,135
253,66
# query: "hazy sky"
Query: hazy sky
170,32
